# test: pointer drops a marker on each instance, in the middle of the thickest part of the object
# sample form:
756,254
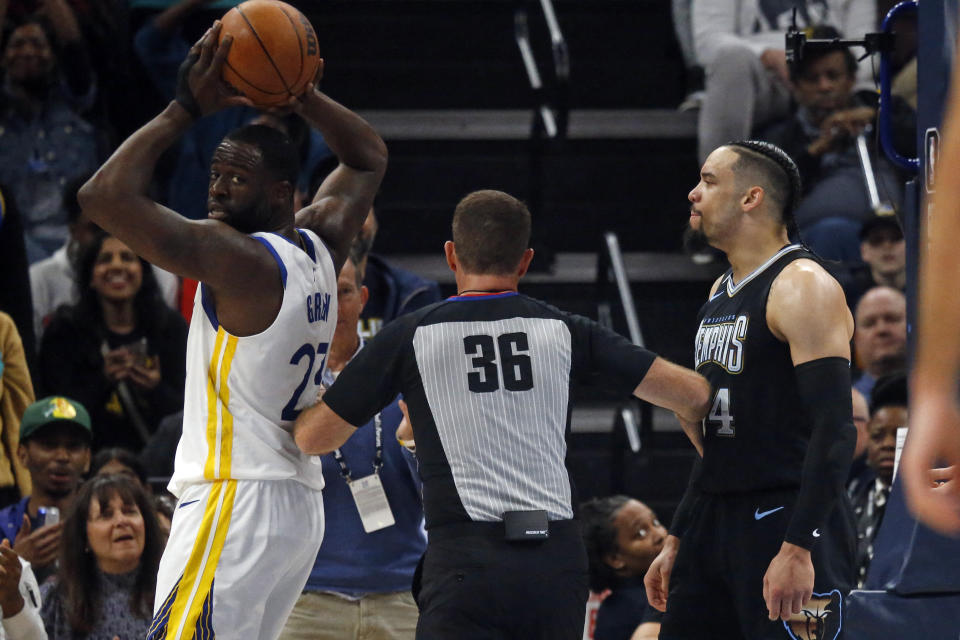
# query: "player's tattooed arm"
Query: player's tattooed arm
345,197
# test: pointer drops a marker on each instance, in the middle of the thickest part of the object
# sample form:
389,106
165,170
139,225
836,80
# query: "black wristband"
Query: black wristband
184,97
824,389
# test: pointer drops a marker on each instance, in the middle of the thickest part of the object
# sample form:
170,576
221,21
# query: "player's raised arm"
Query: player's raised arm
117,196
343,200
819,338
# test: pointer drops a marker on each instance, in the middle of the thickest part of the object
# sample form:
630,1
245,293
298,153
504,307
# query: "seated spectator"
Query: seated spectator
740,43
622,536
393,291
861,418
888,412
165,504
880,336
884,255
14,283
48,84
821,136
120,350
19,598
54,447
159,453
111,552
53,280
16,394
119,461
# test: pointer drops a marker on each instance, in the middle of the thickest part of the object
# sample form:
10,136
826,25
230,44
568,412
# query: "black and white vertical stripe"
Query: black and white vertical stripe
505,449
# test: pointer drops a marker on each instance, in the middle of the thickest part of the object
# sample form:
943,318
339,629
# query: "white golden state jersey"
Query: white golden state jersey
243,393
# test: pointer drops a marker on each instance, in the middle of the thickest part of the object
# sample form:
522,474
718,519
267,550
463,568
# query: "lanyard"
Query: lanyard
377,457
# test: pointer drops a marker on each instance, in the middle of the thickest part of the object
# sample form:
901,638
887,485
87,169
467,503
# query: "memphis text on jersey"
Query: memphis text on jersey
720,341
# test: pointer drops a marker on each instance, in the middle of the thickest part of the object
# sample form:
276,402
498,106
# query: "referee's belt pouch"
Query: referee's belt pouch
526,525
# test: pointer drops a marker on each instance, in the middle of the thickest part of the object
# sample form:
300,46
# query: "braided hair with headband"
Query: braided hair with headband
780,171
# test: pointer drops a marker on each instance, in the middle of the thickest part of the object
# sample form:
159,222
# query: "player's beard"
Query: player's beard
695,240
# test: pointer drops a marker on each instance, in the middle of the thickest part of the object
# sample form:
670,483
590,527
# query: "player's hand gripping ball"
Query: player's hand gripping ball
274,55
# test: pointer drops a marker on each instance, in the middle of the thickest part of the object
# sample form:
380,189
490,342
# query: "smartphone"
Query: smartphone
139,351
48,515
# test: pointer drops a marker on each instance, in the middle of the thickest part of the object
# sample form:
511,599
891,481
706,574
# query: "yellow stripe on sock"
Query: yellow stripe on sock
209,468
202,563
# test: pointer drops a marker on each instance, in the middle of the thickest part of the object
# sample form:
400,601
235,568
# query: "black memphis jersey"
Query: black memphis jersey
487,380
756,434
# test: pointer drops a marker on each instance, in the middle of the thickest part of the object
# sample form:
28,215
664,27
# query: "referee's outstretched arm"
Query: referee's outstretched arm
681,390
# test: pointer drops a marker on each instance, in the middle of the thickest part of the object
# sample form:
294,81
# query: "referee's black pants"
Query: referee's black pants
476,585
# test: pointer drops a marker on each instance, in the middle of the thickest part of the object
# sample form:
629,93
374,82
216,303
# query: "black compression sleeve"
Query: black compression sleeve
681,517
824,387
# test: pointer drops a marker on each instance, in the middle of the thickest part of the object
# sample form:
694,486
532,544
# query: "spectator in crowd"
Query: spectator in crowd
14,283
19,598
680,10
48,84
741,46
120,350
888,412
861,418
55,436
53,280
821,136
111,551
360,585
158,455
16,394
622,536
119,461
393,291
884,255
165,504
880,338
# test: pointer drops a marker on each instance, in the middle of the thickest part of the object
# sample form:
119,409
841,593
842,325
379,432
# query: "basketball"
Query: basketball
274,53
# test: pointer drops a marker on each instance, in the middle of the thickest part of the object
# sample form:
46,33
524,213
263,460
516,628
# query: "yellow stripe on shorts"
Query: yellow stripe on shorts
197,578
219,423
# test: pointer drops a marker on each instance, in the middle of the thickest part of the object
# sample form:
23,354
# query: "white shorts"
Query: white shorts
239,554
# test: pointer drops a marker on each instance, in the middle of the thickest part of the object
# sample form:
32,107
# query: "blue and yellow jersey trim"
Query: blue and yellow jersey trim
219,418
187,613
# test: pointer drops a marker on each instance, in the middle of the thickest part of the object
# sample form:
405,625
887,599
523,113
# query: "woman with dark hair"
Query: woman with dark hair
120,350
108,564
622,536
117,460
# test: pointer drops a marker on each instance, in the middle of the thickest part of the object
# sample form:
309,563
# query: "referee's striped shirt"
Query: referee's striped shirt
487,380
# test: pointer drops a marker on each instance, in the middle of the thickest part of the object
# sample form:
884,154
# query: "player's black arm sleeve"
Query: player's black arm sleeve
681,517
824,388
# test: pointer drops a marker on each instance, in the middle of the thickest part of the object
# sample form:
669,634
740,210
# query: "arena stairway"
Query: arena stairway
443,82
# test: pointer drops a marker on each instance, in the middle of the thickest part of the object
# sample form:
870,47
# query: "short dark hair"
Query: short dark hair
491,230
600,538
774,170
889,391
78,580
811,55
280,156
121,455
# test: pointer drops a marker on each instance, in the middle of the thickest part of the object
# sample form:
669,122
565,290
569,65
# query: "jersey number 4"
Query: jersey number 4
720,413
510,350
305,351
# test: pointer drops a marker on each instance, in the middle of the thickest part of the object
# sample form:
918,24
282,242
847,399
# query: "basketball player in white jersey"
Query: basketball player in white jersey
250,516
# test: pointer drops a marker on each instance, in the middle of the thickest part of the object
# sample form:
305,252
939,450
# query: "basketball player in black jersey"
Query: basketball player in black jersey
753,551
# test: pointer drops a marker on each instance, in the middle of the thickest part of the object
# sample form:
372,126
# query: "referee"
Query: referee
487,376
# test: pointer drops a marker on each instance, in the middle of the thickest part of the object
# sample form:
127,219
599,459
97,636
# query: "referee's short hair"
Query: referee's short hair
491,230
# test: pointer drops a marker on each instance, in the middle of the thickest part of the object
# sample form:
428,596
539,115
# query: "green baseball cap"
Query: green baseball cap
53,409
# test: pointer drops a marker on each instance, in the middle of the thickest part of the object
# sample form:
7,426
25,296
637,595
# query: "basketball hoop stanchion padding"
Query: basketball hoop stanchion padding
913,586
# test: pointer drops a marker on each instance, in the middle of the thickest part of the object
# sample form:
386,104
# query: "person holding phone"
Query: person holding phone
120,349
55,436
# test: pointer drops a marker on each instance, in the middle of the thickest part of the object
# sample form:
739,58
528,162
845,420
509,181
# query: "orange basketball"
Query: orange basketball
274,52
